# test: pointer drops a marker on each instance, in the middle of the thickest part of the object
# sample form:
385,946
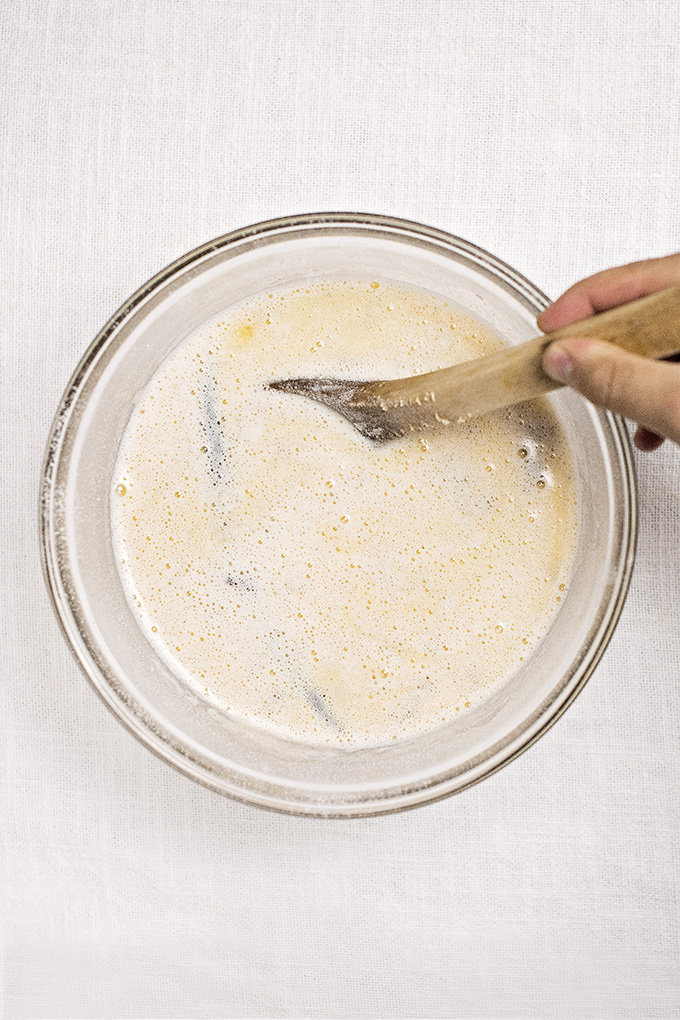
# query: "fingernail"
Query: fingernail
557,363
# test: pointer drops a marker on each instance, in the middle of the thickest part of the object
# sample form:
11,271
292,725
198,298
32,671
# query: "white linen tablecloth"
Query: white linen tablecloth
547,133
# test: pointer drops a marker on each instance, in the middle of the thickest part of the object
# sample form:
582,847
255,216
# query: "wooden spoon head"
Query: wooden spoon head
353,400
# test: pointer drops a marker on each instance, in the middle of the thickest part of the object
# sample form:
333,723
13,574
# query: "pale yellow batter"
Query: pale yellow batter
312,582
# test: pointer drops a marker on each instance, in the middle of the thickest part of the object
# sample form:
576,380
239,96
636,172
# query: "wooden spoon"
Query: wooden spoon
386,410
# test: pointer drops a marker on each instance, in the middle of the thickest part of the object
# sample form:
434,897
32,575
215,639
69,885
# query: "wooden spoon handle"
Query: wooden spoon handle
649,326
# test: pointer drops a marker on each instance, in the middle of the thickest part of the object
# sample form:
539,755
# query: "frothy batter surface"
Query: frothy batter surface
309,581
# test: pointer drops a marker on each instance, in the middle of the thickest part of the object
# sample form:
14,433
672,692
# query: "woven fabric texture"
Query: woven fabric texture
546,133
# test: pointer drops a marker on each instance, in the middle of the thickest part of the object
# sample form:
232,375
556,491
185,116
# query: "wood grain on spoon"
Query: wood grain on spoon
384,410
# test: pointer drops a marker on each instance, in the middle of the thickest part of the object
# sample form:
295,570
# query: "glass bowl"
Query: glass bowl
207,745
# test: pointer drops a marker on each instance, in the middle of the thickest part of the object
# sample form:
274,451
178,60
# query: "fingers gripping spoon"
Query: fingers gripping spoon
385,410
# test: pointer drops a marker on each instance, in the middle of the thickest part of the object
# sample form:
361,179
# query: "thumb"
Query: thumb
646,391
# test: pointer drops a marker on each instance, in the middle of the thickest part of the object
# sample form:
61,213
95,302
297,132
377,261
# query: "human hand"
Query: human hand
646,391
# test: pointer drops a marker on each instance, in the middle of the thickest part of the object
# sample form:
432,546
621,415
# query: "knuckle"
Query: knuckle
606,380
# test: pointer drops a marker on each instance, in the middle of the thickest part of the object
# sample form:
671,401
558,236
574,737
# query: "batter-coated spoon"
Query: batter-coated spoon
384,410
